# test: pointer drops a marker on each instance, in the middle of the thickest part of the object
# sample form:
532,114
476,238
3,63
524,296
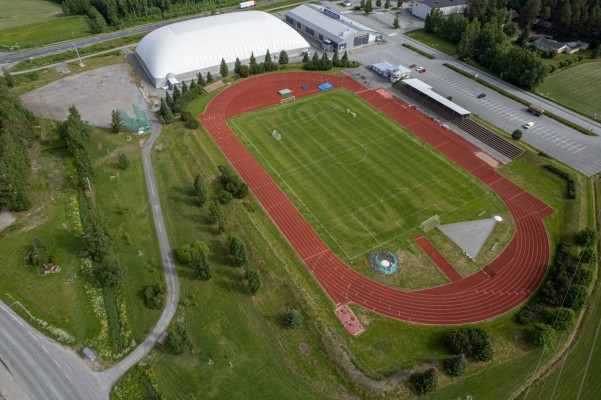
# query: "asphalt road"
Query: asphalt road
35,367
571,147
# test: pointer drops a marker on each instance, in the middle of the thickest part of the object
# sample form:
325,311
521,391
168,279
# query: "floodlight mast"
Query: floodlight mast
81,64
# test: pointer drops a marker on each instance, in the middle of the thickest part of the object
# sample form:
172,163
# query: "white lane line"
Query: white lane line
4,308
56,362
46,350
33,336
15,318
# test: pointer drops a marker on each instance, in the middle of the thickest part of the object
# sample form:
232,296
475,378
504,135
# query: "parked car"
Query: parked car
528,125
413,66
482,95
422,70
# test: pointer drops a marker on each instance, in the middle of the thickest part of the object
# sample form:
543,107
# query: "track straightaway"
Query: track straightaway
499,287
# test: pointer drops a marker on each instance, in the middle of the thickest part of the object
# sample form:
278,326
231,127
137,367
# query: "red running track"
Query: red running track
501,286
438,259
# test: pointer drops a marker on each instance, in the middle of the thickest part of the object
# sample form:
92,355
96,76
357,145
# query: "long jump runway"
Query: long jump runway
498,288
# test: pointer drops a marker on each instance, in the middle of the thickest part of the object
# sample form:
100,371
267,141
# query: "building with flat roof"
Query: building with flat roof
333,31
422,9
181,50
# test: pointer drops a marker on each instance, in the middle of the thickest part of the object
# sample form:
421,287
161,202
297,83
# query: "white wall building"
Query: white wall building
422,8
183,49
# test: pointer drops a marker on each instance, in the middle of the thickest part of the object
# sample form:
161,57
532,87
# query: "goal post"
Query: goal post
276,135
430,223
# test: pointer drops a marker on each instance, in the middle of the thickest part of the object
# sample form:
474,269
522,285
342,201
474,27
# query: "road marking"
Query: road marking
46,350
4,308
56,362
15,318
33,336
392,34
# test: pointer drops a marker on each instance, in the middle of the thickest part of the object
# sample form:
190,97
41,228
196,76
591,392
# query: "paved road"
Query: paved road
571,147
35,367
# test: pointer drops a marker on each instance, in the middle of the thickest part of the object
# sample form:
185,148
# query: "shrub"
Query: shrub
561,319
455,365
123,161
182,254
530,313
154,296
576,297
254,280
225,197
588,255
178,338
542,335
583,277
517,134
37,254
571,183
109,272
294,319
586,237
423,382
473,342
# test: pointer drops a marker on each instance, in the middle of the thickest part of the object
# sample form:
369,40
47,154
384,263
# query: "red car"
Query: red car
413,66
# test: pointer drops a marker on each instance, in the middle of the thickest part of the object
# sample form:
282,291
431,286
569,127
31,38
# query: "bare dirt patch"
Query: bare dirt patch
95,93
488,159
6,218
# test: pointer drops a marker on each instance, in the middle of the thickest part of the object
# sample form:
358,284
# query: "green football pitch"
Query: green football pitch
360,179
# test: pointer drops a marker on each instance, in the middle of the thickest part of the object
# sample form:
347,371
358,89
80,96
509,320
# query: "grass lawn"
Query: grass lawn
57,30
25,12
577,88
224,321
431,40
365,183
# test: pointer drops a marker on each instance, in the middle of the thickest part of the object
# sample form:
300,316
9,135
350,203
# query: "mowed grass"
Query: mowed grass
43,33
578,88
25,12
429,39
225,323
365,183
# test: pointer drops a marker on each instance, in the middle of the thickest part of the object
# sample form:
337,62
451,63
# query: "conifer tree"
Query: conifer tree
223,70
209,77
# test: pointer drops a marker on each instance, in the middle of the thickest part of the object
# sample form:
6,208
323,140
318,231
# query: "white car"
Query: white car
419,69
528,125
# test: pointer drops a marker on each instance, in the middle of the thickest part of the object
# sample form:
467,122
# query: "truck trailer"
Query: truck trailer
394,73
247,4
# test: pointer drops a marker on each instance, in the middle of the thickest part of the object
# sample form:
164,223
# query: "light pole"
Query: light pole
501,78
81,64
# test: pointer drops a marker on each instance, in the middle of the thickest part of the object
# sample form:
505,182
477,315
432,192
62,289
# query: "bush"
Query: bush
576,297
294,319
225,197
583,277
473,342
37,254
123,161
109,272
530,313
542,335
517,134
423,382
254,280
571,192
586,237
154,296
588,255
182,254
561,319
455,366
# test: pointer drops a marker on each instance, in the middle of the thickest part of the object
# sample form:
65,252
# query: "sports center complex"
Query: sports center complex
393,173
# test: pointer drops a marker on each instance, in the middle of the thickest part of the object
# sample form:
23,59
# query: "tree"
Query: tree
452,27
434,21
109,272
97,239
399,3
596,52
178,338
542,335
217,216
305,57
14,168
455,365
123,161
561,319
183,254
254,280
201,80
252,64
516,134
344,59
116,122
209,77
529,12
576,297
9,79
467,43
37,254
154,296
524,37
294,319
238,251
396,24
473,342
283,58
97,22
488,42
165,112
423,382
244,71
378,3
237,66
368,7
223,70
588,255
387,4
169,101
587,237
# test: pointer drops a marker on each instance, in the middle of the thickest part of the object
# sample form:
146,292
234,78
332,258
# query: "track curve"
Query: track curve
498,288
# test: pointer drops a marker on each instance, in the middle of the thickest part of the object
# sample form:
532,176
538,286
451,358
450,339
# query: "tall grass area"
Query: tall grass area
26,12
43,33
225,322
366,183
577,88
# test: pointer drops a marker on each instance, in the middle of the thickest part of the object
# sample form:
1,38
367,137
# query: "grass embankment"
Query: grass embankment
26,12
72,54
43,33
431,40
51,297
363,193
519,100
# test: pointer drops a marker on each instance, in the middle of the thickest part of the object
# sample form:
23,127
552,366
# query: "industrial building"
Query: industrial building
422,8
333,32
183,49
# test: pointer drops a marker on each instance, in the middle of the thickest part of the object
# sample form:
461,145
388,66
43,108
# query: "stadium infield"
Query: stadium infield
501,286
358,177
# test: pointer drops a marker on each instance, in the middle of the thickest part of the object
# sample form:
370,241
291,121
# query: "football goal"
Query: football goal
276,135
430,223
348,111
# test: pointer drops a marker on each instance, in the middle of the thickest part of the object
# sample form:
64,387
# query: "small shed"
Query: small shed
89,354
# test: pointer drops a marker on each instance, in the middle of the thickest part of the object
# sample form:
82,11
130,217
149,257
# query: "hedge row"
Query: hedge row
423,53
571,194
519,100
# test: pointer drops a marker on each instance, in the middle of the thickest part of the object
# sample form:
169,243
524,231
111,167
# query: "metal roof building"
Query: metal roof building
334,32
425,90
422,8
185,48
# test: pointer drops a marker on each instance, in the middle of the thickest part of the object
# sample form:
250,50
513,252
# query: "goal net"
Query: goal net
430,223
276,135
348,111
287,99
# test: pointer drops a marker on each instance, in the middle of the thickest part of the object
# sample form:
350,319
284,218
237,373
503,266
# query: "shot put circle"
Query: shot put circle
345,151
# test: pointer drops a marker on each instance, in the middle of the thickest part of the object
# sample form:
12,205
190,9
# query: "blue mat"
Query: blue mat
325,86
304,87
